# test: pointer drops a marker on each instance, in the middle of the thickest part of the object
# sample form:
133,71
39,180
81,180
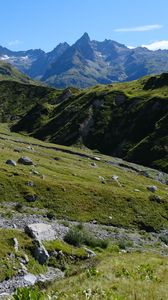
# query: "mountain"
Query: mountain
127,120
87,63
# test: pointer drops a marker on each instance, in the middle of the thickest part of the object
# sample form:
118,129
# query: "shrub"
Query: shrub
77,236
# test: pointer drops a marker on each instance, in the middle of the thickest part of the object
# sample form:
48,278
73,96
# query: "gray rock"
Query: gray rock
115,178
11,162
34,172
41,231
52,274
97,158
30,183
90,252
26,258
156,198
93,164
25,160
30,278
23,268
102,179
152,188
40,253
16,244
31,198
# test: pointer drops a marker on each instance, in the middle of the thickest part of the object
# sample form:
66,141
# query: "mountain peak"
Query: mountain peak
84,38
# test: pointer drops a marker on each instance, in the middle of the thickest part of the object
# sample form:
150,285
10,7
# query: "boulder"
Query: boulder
40,253
11,162
41,231
30,278
25,161
152,188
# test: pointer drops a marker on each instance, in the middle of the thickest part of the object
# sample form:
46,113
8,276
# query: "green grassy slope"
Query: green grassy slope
119,276
17,98
69,186
8,72
127,120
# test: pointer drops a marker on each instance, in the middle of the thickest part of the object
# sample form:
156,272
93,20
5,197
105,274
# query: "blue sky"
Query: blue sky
27,24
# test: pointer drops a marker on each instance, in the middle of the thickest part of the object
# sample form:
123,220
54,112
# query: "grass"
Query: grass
72,187
10,259
66,249
119,276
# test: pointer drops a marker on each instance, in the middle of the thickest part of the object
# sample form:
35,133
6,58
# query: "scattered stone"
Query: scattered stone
30,148
30,183
30,278
16,244
11,162
17,150
115,178
30,197
136,190
40,253
152,188
34,172
25,161
5,295
102,179
90,252
93,164
41,231
156,198
97,158
52,274
26,258
23,269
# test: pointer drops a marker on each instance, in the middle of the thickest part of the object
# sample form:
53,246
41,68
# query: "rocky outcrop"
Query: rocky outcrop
41,231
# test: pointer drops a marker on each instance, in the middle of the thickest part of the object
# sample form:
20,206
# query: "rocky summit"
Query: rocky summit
87,62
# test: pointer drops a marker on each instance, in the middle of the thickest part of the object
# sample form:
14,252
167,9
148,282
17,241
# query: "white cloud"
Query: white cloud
163,45
139,28
14,43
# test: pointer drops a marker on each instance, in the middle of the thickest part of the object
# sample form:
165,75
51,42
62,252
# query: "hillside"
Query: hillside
122,222
127,120
7,72
87,63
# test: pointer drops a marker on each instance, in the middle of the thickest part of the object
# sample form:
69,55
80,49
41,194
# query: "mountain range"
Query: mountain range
87,63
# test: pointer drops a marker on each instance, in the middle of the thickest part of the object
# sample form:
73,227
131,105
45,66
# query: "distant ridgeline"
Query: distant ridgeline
87,63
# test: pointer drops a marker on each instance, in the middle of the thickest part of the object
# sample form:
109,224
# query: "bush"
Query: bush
78,236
